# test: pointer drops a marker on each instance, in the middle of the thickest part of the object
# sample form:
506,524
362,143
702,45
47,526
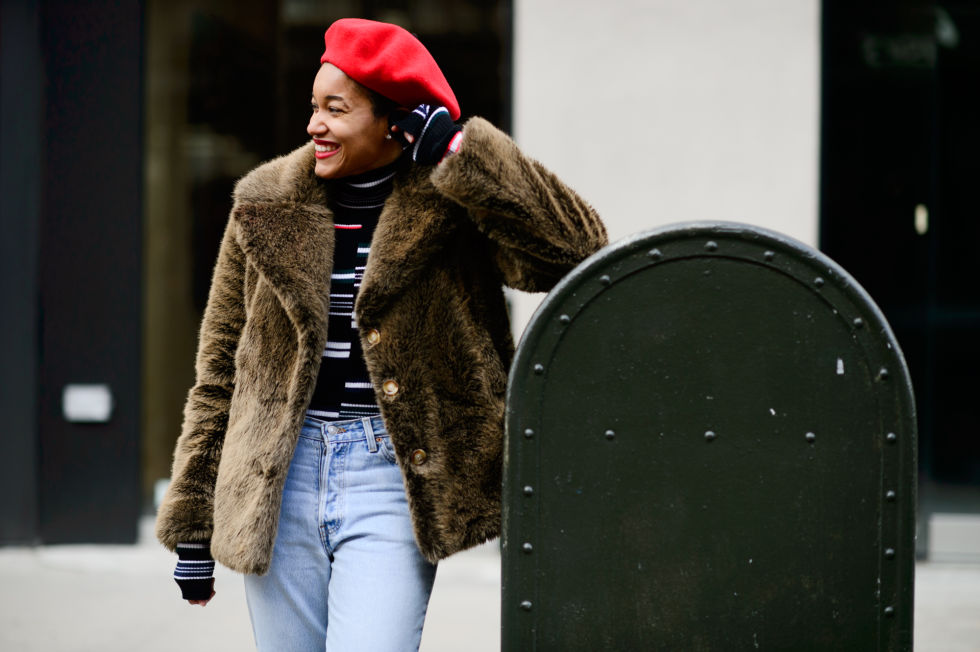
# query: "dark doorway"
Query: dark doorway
899,207
90,272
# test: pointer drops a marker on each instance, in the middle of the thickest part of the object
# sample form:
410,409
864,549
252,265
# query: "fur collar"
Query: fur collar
286,230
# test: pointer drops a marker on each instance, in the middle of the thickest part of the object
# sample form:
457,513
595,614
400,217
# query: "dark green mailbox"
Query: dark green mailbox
710,446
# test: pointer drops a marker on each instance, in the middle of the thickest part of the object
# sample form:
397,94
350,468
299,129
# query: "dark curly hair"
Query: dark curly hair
381,106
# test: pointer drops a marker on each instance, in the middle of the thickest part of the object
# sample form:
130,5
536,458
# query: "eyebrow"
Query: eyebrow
330,98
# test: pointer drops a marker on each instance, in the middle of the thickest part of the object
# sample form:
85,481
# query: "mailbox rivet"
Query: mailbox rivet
711,245
710,435
889,611
655,254
818,281
890,496
891,438
810,437
539,369
528,547
769,255
565,319
889,553
858,322
610,434
528,490
605,280
528,433
883,374
526,605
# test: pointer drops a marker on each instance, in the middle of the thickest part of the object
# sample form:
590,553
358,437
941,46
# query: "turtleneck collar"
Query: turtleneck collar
366,189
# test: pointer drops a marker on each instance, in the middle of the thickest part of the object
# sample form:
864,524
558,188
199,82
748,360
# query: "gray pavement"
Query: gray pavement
119,598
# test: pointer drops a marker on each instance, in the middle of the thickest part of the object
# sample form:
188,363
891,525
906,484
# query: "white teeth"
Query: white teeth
325,148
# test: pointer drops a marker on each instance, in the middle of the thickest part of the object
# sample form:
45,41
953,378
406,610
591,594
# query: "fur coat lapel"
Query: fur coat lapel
415,223
287,231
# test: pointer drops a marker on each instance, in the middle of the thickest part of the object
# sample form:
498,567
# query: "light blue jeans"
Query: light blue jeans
346,574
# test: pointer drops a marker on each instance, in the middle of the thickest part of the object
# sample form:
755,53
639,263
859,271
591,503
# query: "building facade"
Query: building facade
124,124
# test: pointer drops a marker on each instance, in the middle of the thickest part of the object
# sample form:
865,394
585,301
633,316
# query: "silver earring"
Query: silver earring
387,136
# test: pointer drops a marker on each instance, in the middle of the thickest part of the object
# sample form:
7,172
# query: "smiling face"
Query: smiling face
348,137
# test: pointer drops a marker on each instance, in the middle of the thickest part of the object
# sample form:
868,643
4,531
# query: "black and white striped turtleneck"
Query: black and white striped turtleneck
343,388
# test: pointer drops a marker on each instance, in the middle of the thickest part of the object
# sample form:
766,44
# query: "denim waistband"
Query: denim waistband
347,430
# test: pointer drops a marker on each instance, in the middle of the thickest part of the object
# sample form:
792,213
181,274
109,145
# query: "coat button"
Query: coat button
419,457
373,336
389,387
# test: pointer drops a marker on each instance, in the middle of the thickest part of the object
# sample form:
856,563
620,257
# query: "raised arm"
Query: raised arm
541,226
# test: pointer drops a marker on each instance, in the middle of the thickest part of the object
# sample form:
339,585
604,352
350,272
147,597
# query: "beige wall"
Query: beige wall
661,111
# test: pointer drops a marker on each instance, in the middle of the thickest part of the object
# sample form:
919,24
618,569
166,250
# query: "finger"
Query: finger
203,603
395,129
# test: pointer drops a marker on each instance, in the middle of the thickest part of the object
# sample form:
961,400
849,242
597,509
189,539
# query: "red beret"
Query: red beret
388,60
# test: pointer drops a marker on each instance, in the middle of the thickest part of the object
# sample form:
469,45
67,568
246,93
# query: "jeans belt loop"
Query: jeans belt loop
369,434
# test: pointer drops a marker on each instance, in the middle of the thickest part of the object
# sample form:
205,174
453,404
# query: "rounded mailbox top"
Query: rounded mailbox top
725,401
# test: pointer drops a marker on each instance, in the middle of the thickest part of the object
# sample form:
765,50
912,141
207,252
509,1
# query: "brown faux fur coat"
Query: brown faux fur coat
447,239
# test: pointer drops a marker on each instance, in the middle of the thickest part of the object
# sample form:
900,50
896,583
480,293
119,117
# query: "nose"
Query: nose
316,126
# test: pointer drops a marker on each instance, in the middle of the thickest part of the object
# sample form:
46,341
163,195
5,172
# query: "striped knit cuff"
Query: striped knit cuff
454,144
195,570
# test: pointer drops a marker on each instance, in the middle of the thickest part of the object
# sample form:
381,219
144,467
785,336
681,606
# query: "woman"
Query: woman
345,429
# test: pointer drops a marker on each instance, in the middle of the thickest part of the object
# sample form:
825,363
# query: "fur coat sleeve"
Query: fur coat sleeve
541,227
188,516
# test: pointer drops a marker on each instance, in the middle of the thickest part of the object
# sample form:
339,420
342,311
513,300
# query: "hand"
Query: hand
431,133
204,603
